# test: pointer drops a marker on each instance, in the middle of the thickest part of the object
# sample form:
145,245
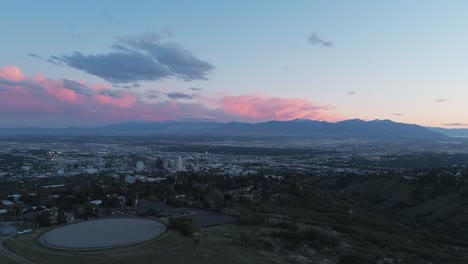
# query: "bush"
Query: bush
183,224
246,238
289,225
187,229
292,237
318,238
43,219
355,259
61,218
246,218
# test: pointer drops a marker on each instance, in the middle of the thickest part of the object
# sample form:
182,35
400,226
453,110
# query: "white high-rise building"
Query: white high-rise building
140,166
179,165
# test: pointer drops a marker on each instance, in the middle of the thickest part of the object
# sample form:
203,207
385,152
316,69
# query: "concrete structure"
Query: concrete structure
26,168
91,171
140,166
102,234
178,164
130,179
96,202
7,203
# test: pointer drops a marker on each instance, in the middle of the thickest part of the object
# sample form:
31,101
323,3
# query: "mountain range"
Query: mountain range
353,128
451,132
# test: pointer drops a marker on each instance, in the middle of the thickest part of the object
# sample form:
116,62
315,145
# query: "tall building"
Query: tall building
159,164
179,165
140,166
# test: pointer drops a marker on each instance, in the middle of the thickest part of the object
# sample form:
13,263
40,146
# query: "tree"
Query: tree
90,211
98,192
187,229
111,202
43,219
246,239
64,202
183,224
26,198
159,164
61,218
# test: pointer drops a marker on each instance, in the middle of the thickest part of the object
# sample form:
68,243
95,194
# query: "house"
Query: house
96,202
15,197
122,200
70,217
130,179
7,203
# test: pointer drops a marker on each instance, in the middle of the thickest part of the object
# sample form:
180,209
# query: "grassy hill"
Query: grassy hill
436,203
421,218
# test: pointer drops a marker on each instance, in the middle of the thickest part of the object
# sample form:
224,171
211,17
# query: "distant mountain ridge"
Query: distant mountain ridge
353,128
451,132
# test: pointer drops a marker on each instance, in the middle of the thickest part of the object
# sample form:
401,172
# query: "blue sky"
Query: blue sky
399,60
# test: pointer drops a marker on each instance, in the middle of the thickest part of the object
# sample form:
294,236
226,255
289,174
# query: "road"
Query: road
11,255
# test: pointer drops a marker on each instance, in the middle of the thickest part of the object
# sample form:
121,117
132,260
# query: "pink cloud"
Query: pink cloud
121,99
80,103
11,74
261,108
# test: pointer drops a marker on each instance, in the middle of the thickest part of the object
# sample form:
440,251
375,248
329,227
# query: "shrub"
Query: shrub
318,238
355,259
250,219
246,238
43,219
183,224
289,225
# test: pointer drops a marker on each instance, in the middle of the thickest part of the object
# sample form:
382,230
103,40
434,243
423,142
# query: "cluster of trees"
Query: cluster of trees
183,224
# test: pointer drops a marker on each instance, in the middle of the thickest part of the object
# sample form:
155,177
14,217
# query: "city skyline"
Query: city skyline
91,64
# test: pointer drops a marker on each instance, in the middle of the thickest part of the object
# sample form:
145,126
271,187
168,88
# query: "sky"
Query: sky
92,63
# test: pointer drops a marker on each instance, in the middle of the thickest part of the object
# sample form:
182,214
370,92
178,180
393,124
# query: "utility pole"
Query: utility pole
22,219
136,201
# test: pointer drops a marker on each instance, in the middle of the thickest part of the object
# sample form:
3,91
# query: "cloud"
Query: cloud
178,95
127,86
251,108
55,60
12,74
40,101
111,93
152,94
107,14
77,87
118,67
440,100
351,92
33,55
455,124
142,58
314,39
72,35
397,114
70,25
40,95
195,89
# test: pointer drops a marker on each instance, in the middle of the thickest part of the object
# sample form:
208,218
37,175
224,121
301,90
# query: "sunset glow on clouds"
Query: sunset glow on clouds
86,104
12,74
258,108
186,60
